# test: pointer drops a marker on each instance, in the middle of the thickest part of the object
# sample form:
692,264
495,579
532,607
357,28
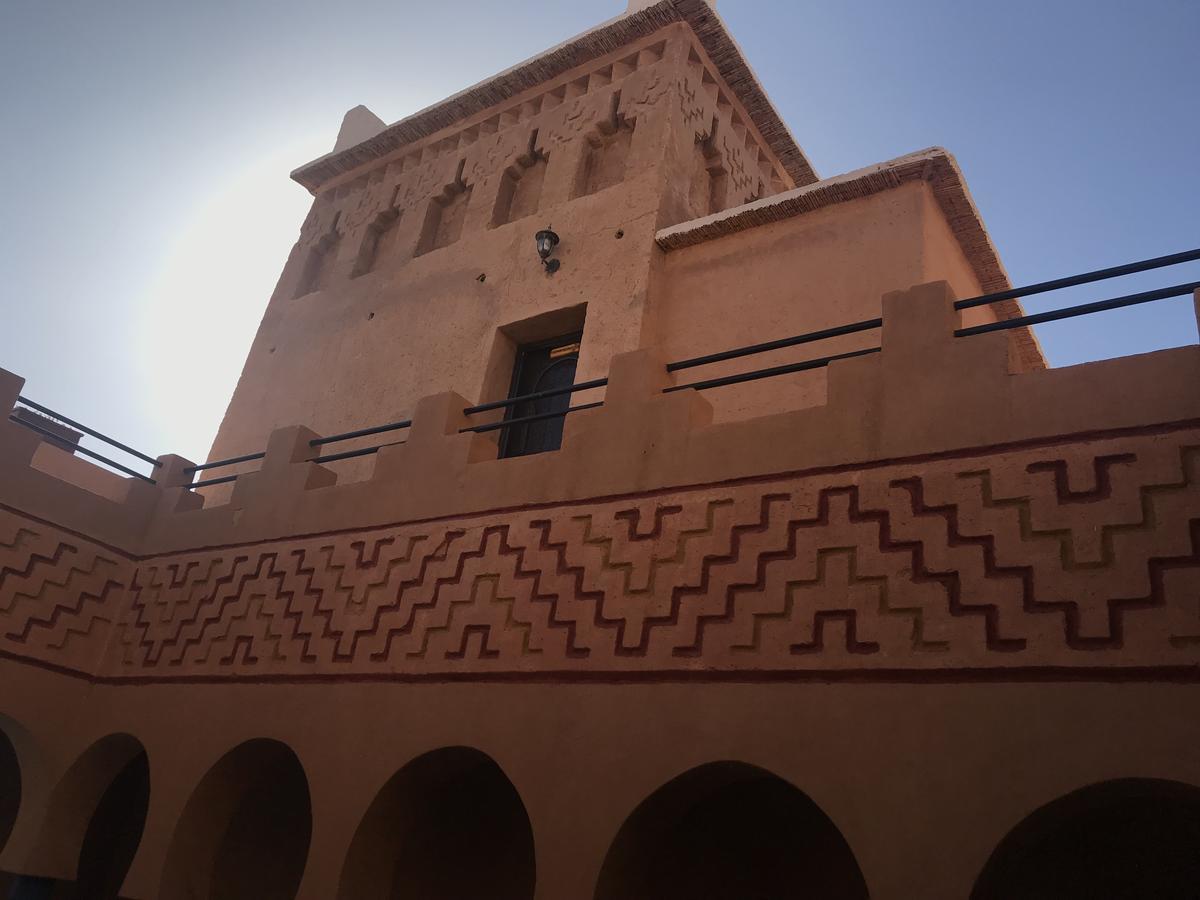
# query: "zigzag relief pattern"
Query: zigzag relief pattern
1026,559
59,594
1086,555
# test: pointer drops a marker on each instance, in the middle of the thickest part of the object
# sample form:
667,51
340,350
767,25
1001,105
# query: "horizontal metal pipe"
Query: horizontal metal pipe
1084,309
362,432
1144,265
769,373
540,395
496,426
222,463
212,481
75,448
353,454
852,328
349,454
96,434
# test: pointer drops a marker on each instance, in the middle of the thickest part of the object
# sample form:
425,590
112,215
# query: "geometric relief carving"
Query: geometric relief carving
955,564
446,214
709,190
379,245
320,261
1071,556
59,594
605,152
600,108
521,184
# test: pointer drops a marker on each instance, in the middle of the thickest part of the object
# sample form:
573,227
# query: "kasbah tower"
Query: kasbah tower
906,615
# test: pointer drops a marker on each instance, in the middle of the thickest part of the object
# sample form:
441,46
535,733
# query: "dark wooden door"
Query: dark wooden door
540,367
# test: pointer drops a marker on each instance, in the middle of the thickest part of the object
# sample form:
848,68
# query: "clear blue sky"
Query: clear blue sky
146,146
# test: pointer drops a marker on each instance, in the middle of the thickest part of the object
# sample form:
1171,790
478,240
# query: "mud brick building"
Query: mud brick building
516,578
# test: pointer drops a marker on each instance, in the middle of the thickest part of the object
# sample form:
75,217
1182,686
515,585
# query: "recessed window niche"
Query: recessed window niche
606,153
320,263
710,182
521,186
380,242
446,215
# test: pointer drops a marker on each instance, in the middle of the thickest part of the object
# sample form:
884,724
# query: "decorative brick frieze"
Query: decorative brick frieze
926,522
1080,554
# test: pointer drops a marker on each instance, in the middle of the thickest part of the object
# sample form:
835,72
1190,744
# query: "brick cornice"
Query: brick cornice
590,45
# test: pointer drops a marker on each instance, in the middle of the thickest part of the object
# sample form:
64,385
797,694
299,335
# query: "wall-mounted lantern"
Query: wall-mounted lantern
547,240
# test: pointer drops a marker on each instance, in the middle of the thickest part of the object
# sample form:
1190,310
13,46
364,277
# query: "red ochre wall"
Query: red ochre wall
931,626
932,589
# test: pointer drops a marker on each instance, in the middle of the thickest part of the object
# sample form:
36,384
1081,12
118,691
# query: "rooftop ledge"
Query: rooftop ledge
934,165
699,15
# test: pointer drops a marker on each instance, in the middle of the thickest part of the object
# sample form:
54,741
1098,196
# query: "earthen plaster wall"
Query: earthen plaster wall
363,346
933,588
923,780
924,603
796,276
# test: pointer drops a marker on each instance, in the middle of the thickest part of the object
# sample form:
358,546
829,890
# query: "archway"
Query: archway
114,832
10,798
1121,840
10,787
448,826
729,831
245,831
93,822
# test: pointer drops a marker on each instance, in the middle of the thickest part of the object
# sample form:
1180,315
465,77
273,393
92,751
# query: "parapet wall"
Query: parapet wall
938,518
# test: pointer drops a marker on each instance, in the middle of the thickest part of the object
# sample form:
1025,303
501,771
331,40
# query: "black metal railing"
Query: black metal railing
1030,290
360,433
220,464
74,447
783,343
510,402
1145,265
315,442
865,325
1083,309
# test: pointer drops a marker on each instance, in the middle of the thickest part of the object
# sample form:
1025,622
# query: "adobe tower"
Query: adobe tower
610,508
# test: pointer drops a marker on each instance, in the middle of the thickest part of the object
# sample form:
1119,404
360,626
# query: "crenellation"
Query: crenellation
651,637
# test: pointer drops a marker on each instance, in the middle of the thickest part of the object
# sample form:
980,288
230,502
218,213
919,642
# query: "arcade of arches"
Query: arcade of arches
244,834
450,825
729,830
1121,840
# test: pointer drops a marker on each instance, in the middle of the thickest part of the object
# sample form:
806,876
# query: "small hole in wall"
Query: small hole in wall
370,316
272,350
481,279
620,233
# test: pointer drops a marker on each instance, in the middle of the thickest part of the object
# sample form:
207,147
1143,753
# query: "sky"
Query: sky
147,210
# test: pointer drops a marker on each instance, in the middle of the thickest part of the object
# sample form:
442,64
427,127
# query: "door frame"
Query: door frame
518,370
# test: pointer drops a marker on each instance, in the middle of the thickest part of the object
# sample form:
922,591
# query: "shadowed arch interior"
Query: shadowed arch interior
448,826
1120,840
245,831
729,831
94,819
10,787
114,832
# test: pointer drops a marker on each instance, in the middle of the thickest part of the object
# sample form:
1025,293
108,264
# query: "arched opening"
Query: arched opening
448,826
729,831
93,823
10,787
1120,840
245,831
114,832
